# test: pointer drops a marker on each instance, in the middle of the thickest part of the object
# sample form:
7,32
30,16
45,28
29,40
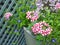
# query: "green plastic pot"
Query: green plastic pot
30,39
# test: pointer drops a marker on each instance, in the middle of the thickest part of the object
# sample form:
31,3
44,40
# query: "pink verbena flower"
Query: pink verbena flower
35,28
28,15
34,18
38,28
57,6
32,15
7,15
46,32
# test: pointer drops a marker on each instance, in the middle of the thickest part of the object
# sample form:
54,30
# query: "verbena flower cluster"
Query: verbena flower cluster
8,15
32,16
38,28
57,6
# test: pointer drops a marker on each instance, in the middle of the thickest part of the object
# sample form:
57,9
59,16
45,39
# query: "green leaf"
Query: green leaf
31,24
39,37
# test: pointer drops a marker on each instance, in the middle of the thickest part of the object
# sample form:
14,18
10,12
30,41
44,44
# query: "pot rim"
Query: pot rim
28,32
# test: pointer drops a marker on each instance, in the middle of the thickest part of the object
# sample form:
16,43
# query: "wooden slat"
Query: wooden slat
4,6
10,38
0,1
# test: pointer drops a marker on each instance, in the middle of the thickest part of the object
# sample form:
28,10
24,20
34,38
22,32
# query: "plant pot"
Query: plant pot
30,39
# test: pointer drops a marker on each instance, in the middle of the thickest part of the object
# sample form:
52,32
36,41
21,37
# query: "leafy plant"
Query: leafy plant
50,17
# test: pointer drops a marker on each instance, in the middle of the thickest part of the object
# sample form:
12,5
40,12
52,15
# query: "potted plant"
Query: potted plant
41,22
44,26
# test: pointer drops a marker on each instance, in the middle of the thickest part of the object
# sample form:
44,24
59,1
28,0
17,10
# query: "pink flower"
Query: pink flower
28,15
7,15
34,18
57,6
38,28
32,15
35,28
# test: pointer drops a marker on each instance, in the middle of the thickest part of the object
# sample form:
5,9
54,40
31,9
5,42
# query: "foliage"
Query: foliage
52,18
22,12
